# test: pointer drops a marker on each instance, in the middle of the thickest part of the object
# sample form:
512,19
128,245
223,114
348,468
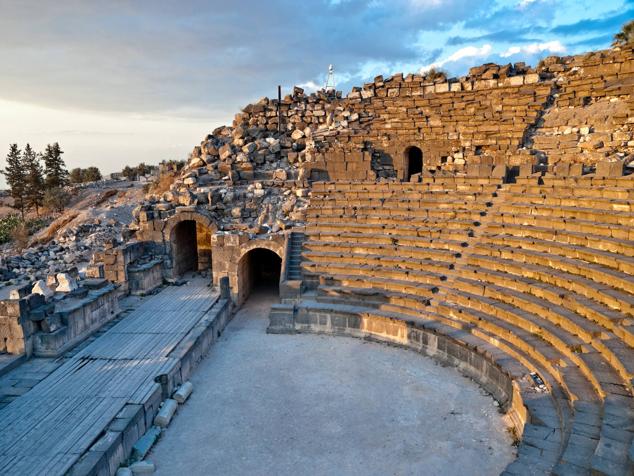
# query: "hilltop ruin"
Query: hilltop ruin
486,221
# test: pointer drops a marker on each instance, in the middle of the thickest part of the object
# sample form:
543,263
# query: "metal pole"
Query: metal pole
279,108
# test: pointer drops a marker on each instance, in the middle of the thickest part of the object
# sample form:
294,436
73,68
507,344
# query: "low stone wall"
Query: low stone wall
470,362
15,330
145,278
73,320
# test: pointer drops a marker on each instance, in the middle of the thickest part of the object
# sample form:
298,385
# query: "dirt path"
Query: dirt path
305,404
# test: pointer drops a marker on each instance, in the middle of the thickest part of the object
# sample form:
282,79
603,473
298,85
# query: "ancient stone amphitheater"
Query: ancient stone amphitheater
485,221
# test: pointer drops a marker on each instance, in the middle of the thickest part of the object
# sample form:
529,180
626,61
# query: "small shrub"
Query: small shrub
56,199
20,236
7,225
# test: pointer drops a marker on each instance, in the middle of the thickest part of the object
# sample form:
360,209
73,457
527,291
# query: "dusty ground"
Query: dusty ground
305,404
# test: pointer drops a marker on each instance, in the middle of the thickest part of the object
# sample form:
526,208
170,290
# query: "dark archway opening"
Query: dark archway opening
259,270
184,247
414,157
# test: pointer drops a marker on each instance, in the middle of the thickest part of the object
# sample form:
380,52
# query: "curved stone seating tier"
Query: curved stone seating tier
539,273
559,223
557,256
603,306
569,212
546,317
576,190
381,227
586,240
425,260
387,212
434,238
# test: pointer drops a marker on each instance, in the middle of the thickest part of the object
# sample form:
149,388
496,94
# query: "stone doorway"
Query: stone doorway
184,247
259,269
414,161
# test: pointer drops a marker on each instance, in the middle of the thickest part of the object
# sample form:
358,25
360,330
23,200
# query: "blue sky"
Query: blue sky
123,81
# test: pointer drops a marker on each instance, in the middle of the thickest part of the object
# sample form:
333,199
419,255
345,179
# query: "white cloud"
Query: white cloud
310,86
535,48
426,3
462,53
525,3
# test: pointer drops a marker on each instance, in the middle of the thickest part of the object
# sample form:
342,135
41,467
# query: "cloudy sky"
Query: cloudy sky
120,82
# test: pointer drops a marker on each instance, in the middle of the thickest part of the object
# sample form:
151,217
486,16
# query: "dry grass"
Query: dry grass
47,235
163,183
20,237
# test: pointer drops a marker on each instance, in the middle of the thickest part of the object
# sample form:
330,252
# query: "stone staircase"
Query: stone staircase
293,269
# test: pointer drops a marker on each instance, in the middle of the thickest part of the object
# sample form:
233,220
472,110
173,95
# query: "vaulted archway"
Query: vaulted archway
259,268
184,242
413,161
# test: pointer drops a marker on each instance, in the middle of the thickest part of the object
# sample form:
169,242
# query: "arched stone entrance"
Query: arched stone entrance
184,242
413,161
189,237
259,268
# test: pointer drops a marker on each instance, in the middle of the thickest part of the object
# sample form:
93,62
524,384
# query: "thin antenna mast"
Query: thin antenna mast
330,81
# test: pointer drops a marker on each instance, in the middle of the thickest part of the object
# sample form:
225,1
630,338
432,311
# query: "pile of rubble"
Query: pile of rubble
72,248
253,176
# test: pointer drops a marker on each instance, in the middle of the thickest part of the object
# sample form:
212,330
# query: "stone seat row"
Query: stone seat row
434,239
609,230
440,183
555,310
570,191
400,202
553,200
377,225
422,193
606,306
387,212
424,225
590,214
389,276
578,261
406,257
549,233
626,182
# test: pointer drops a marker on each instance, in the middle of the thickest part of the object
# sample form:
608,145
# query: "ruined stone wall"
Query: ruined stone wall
452,123
589,118
573,109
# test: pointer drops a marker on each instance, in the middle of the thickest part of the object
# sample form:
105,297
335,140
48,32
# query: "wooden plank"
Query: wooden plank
49,428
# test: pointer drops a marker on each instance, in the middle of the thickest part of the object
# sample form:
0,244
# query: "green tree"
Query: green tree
92,174
34,180
626,35
142,169
55,168
56,199
77,175
129,173
16,178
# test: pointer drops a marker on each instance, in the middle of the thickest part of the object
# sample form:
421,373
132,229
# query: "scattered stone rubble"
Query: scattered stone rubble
74,247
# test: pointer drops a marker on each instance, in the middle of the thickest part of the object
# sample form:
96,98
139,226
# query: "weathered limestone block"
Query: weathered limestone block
40,287
609,169
66,283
